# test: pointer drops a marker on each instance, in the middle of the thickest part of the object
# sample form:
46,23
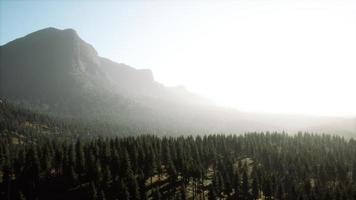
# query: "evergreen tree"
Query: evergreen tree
125,165
304,166
245,186
183,192
237,184
157,194
20,196
142,185
255,189
101,195
6,181
212,193
73,177
354,171
123,191
79,160
93,195
267,188
106,177
133,187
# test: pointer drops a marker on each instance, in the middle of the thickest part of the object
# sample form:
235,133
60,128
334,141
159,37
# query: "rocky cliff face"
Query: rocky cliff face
127,79
57,70
38,66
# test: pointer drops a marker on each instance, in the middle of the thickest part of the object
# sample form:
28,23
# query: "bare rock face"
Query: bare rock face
127,79
37,67
57,69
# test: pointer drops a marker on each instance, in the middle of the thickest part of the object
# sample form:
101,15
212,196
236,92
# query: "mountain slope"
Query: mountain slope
50,68
55,71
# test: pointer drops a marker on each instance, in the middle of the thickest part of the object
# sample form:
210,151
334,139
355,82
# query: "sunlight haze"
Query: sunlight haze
260,56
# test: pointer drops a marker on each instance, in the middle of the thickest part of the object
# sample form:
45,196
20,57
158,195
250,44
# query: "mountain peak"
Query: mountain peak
52,30
53,64
41,64
56,69
48,33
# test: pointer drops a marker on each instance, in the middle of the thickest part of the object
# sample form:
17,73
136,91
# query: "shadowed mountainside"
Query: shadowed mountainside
55,71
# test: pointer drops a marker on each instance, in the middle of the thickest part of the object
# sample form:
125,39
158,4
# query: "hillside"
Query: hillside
254,166
55,72
50,65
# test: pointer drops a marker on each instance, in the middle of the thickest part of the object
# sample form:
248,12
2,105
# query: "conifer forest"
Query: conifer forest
39,160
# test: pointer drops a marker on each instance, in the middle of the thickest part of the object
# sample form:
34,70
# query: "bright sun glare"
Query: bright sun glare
286,56
275,56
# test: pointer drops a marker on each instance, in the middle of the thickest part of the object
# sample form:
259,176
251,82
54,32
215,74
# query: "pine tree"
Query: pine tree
150,165
157,194
115,166
255,189
245,185
142,185
92,168
93,195
123,191
227,183
21,196
307,188
280,192
237,184
267,188
32,173
125,165
106,177
133,187
79,160
101,195
212,193
6,180
183,192
354,171
73,177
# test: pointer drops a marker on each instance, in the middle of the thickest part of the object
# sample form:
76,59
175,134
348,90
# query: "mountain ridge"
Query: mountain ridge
55,71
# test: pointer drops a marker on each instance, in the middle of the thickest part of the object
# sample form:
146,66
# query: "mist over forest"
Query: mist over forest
55,72
245,100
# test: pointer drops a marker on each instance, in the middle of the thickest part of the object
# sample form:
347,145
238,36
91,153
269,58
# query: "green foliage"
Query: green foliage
35,165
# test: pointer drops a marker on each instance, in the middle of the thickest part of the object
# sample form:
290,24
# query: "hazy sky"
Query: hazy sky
256,55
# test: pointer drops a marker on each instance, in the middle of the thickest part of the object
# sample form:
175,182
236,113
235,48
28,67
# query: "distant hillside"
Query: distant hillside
345,127
55,72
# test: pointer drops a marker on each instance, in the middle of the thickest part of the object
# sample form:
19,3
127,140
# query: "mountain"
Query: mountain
50,68
55,72
56,69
